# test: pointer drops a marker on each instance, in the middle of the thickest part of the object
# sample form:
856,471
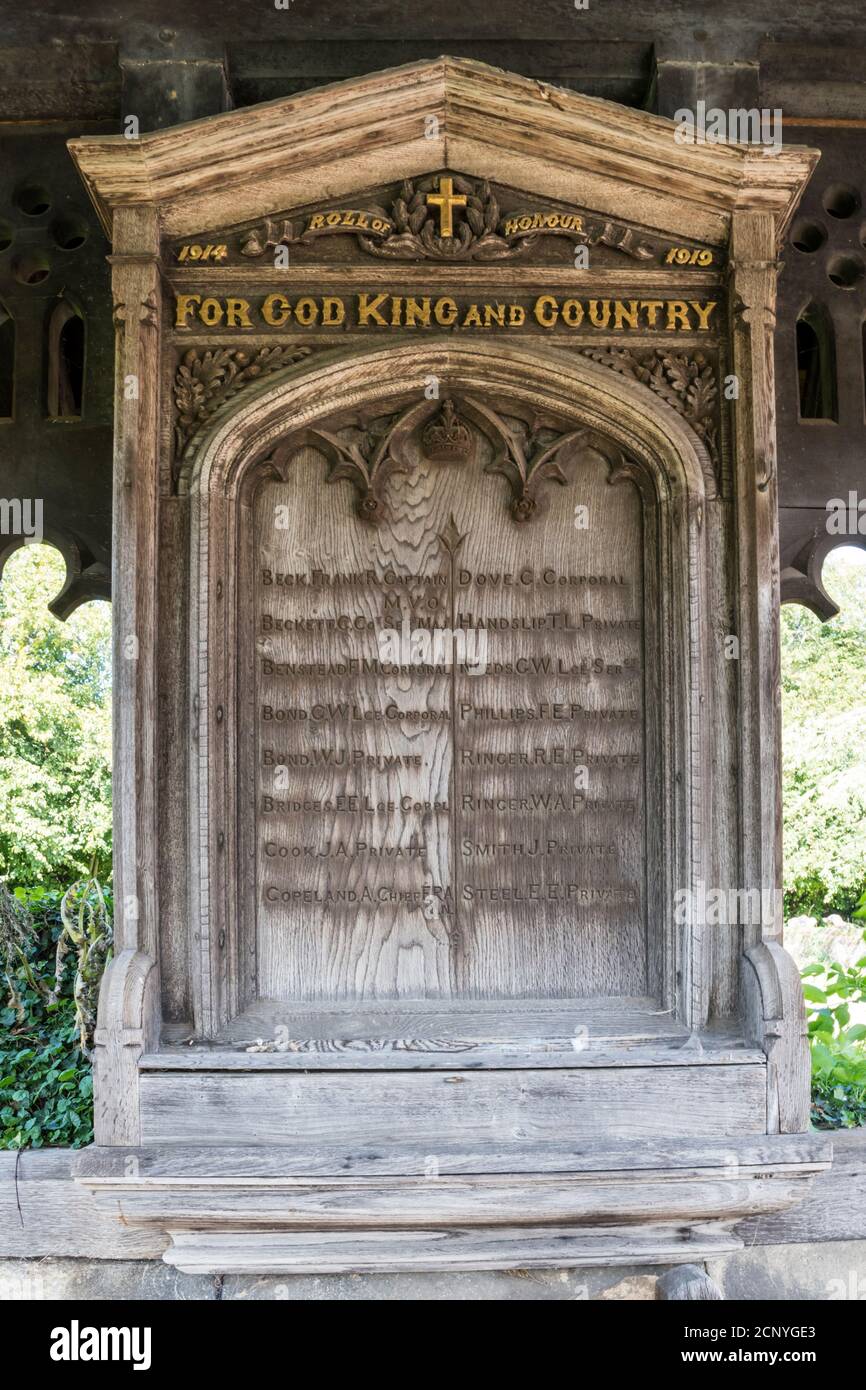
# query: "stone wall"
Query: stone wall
823,1270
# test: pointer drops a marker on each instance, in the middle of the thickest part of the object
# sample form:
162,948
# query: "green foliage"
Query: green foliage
824,751
55,727
837,1044
46,1090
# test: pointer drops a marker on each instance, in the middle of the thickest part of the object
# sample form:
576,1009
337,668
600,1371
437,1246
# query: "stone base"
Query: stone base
811,1271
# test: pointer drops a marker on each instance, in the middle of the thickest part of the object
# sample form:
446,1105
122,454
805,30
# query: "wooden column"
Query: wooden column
772,999
136,291
753,298
128,1012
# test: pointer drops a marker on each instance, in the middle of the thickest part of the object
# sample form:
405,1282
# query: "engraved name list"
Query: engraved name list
449,736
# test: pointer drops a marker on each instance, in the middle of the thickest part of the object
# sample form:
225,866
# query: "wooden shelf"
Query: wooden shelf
429,1034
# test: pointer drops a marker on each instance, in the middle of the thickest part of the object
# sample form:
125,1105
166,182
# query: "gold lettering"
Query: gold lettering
703,312
572,313
368,308
333,310
418,312
211,312
306,312
276,310
652,307
185,305
472,317
445,312
238,313
546,311
494,313
516,315
622,315
678,314
595,320
316,223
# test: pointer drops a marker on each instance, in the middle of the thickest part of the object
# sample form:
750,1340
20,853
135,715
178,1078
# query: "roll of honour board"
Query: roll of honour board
449,737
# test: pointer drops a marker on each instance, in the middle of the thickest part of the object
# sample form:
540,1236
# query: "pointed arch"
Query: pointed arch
66,357
816,364
672,472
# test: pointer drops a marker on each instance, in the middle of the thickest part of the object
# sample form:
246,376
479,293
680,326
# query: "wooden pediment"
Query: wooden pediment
423,118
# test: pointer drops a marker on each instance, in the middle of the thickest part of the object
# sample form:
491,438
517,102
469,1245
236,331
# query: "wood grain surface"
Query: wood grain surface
462,827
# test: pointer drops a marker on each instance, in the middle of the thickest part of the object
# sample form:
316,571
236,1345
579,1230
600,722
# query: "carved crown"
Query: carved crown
447,438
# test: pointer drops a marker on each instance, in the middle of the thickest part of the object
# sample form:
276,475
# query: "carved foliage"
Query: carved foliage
411,228
688,384
205,379
416,237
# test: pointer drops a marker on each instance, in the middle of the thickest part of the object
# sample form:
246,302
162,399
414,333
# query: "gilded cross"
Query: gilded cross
446,200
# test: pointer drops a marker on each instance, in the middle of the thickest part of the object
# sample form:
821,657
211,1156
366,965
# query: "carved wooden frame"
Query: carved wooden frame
359,134
672,471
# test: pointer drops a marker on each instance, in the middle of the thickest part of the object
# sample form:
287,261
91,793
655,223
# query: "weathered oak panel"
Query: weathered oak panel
432,1108
450,715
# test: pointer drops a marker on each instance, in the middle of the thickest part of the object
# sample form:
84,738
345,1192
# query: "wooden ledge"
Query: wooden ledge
430,1035
238,1210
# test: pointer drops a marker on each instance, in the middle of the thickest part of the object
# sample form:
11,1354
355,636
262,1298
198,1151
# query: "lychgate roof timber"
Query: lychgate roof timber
375,129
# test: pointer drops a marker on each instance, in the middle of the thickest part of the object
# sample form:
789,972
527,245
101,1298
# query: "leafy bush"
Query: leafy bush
46,1089
55,727
837,1044
824,753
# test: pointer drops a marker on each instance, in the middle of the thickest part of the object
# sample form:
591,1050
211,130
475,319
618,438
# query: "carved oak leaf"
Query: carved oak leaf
199,378
204,380
491,208
619,360
663,380
701,393
442,248
417,219
688,384
475,215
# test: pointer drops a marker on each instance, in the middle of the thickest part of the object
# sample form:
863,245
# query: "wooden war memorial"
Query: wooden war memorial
446,667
